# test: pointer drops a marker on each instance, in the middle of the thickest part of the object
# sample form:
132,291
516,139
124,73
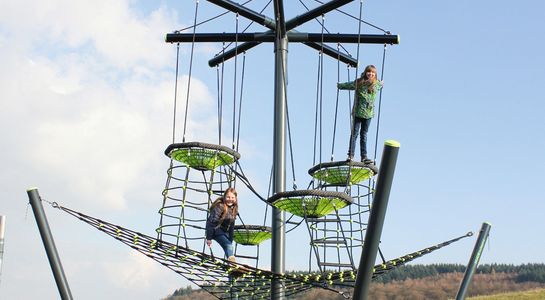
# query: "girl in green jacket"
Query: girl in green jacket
367,87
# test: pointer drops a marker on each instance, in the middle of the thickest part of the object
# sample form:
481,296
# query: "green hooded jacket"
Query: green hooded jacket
365,106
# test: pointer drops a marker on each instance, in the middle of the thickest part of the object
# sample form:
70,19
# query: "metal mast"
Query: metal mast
279,149
280,32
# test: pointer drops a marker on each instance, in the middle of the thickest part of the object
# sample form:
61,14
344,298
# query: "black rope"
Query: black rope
219,102
208,20
288,123
380,100
248,26
190,69
321,91
175,93
325,28
350,105
336,105
358,46
235,84
240,101
359,19
316,105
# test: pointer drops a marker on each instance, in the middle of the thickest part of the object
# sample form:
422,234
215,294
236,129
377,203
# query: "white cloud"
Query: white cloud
111,29
136,272
86,120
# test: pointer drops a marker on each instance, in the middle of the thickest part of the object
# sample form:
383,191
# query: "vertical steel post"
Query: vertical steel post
2,231
473,260
279,165
376,219
49,244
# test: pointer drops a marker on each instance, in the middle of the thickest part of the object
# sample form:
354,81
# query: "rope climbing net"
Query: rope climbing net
224,279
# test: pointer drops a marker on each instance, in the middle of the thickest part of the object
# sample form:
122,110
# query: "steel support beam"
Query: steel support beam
245,12
376,220
280,18
278,241
293,37
316,12
49,244
270,23
473,260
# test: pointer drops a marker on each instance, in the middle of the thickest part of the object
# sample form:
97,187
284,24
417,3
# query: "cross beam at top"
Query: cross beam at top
251,40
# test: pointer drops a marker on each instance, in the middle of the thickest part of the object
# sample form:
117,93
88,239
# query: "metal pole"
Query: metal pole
49,244
376,219
2,231
279,166
474,260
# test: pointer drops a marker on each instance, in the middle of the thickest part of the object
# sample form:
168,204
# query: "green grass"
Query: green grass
537,294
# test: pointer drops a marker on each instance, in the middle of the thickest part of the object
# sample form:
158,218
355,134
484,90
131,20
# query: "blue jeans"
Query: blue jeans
360,127
225,243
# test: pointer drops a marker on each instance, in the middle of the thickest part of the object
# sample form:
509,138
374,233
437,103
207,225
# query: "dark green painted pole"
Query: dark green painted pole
278,222
376,219
474,260
49,244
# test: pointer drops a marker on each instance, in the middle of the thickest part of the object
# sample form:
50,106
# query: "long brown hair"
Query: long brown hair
363,80
221,201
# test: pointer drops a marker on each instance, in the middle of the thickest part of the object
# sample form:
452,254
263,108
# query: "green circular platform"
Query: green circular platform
202,156
310,203
343,172
251,235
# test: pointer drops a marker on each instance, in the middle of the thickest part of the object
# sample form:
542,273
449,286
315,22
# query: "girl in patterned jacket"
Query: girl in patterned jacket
221,222
367,87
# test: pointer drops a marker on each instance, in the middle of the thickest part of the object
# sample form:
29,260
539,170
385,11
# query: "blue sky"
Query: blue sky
87,91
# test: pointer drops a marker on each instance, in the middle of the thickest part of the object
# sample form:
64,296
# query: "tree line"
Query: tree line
524,273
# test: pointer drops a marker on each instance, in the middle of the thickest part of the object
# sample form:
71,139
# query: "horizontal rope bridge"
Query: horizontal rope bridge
224,279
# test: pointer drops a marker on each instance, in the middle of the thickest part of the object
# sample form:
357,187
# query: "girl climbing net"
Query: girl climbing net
221,222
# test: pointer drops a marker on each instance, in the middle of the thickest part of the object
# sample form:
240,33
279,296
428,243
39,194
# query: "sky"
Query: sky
87,96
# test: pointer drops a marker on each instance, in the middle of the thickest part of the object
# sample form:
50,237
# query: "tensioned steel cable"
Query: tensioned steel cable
248,26
210,19
336,104
235,83
359,19
380,99
190,69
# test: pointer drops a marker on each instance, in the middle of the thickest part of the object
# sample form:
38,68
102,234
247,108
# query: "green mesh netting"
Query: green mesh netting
342,173
202,156
310,203
251,235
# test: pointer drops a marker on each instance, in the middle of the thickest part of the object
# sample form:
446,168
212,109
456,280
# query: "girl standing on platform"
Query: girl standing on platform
367,87
221,222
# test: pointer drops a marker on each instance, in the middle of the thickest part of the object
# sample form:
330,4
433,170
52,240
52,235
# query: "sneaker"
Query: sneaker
231,258
350,157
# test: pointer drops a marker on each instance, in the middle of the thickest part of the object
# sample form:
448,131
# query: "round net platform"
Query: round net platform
202,156
310,203
343,172
251,235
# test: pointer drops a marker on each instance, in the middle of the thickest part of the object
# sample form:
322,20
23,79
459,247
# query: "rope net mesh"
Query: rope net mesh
251,235
343,173
187,197
202,156
310,203
224,279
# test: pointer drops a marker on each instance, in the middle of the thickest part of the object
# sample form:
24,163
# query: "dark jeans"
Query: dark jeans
360,127
225,243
